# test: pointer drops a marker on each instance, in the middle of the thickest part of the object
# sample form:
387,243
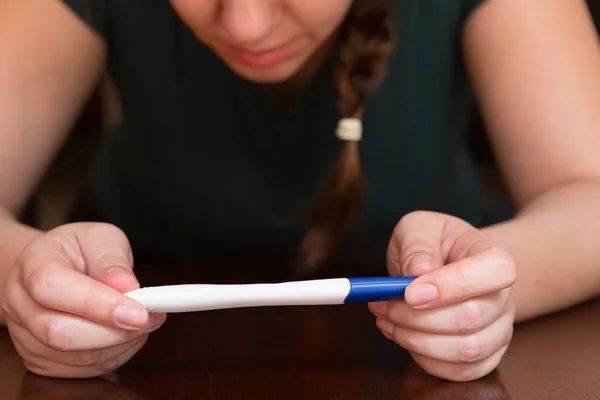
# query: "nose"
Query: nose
248,21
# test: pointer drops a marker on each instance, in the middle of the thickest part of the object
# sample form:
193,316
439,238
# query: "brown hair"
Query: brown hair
366,42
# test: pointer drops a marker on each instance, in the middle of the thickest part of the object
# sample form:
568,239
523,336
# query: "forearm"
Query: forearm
555,242
13,239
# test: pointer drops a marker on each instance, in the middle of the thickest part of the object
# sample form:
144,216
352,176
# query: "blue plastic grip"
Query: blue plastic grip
365,290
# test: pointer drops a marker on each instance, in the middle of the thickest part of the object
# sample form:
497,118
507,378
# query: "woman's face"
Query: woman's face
265,41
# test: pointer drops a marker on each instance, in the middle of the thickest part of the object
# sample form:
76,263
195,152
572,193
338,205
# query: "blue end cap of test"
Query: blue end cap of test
365,290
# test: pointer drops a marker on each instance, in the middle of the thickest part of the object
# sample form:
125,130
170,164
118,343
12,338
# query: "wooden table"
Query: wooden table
328,352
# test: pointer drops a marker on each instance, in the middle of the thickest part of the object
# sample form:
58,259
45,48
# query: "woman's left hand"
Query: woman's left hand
457,317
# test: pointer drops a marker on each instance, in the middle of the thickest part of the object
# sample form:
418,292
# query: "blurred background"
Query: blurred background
51,203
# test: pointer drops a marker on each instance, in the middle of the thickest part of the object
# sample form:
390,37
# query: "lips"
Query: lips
261,59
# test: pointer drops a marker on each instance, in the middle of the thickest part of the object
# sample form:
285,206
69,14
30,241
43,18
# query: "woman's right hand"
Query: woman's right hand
64,303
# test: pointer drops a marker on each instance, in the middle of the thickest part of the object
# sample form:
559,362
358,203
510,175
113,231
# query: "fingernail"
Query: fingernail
420,264
378,308
385,326
131,316
421,294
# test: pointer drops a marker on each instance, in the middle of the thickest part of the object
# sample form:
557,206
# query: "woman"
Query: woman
230,109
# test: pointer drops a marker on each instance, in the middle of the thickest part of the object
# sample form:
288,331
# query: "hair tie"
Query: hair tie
350,129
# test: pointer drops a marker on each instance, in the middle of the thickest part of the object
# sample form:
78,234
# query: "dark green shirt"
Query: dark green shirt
205,164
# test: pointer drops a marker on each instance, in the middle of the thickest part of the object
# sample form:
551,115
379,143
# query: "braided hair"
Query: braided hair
366,42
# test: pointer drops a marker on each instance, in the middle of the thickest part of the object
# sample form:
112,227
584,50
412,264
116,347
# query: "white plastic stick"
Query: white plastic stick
202,297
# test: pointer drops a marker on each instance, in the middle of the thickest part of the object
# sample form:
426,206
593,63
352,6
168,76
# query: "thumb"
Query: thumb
107,255
415,248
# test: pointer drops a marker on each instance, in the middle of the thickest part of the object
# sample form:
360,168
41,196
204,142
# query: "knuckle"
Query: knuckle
35,368
111,365
393,258
394,248
96,303
402,247
88,302
467,271
409,219
6,307
418,248
468,239
470,349
86,358
469,316
108,260
416,254
505,265
54,335
117,236
466,243
114,363
39,282
25,256
104,228
412,317
416,215
410,342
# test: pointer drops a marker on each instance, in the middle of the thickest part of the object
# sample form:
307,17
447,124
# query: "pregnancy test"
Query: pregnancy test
203,297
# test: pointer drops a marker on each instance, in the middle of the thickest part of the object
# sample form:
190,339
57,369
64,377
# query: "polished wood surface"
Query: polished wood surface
327,352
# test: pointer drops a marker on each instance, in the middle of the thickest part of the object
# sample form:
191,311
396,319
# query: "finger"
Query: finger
107,255
57,286
468,317
486,272
415,246
47,368
67,332
460,372
80,358
87,247
451,348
